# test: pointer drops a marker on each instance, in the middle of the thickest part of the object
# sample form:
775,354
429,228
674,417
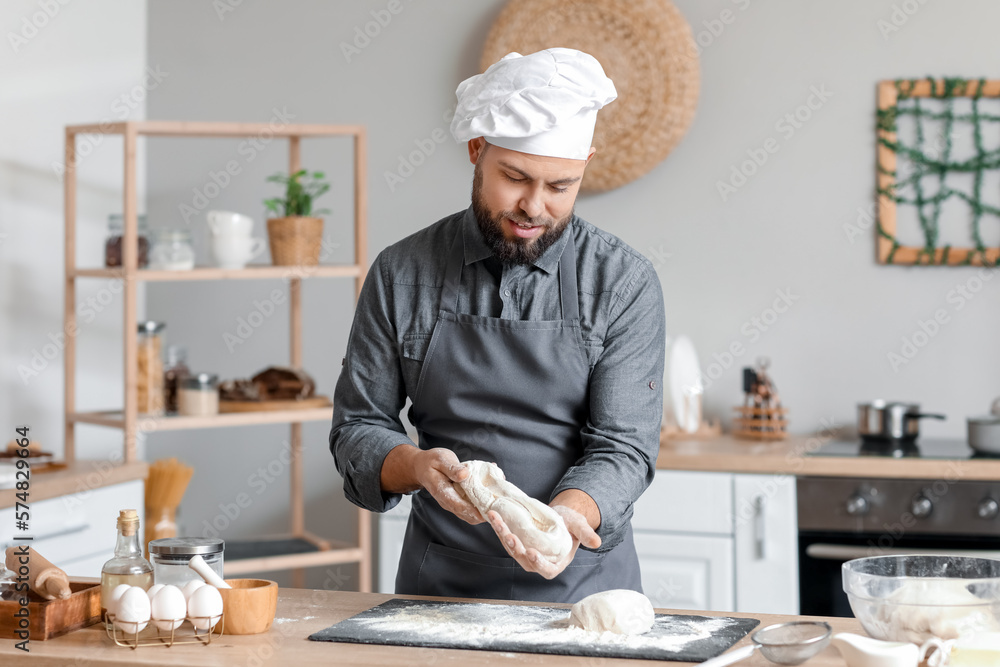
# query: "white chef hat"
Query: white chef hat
544,103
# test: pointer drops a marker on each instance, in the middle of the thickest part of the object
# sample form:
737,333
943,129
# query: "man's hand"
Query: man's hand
532,561
438,471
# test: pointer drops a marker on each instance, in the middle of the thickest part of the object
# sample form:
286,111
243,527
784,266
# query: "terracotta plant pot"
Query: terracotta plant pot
249,606
295,240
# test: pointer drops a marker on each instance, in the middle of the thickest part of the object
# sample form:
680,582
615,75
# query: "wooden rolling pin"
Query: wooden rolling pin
43,577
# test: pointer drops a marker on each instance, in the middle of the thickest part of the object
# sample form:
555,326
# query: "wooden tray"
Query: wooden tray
267,406
53,618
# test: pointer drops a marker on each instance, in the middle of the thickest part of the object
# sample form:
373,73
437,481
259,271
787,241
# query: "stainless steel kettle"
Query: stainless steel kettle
888,421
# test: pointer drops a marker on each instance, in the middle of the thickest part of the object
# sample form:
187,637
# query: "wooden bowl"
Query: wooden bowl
249,606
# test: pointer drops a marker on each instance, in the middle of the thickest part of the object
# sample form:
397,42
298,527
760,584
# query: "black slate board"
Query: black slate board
531,629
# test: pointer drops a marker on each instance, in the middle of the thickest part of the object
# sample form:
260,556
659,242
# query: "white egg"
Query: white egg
168,608
205,607
153,590
116,595
191,586
133,610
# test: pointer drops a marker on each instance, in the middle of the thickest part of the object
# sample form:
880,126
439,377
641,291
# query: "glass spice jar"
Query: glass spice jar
113,246
199,395
175,370
170,556
172,250
149,362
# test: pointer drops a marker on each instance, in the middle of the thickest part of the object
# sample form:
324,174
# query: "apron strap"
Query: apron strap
568,297
567,279
453,274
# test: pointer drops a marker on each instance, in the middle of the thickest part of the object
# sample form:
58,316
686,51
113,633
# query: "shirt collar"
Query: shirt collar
476,249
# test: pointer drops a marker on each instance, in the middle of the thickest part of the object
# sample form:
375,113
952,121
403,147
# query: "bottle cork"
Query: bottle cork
128,522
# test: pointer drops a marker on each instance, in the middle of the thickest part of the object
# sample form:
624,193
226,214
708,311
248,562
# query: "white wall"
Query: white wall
79,64
721,262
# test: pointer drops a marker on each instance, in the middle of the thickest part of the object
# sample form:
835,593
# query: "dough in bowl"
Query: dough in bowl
620,611
944,608
536,524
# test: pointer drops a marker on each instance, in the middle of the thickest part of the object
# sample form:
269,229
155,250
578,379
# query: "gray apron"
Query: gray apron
514,392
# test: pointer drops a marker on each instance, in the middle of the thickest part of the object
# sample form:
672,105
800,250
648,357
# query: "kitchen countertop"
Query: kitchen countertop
77,476
286,643
788,457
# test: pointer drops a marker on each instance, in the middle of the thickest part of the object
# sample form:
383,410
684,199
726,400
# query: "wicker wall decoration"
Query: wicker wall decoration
647,49
926,172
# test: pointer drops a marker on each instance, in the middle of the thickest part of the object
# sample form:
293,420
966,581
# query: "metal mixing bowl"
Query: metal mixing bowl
916,597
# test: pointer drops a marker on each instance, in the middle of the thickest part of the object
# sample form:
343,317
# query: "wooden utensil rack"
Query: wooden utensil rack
324,552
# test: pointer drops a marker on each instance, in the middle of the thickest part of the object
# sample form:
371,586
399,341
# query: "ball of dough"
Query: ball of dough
620,611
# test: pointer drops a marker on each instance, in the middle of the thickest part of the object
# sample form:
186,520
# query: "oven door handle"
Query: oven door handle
841,552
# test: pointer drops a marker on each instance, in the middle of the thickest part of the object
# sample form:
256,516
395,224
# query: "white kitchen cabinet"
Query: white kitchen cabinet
686,502
391,528
686,571
77,531
705,540
767,555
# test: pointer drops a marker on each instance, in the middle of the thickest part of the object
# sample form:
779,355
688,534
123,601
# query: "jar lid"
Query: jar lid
187,546
116,221
173,235
200,381
151,327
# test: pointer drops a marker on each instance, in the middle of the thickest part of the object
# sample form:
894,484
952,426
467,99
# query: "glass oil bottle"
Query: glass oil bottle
128,566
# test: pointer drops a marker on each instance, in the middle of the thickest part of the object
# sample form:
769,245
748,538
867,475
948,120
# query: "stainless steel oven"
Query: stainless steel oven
845,518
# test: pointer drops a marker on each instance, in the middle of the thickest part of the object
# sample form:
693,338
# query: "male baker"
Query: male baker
523,335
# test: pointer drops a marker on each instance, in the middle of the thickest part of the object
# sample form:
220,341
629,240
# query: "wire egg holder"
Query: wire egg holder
188,635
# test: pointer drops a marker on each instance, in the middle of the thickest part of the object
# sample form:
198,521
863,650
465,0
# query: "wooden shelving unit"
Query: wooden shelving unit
310,550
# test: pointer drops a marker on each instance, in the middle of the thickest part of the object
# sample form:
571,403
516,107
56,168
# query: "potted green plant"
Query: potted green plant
296,233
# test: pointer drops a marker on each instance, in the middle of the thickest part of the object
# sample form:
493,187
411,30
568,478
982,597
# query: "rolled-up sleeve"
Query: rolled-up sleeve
369,397
621,438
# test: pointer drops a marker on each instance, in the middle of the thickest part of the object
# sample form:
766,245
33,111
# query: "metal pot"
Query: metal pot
888,421
984,434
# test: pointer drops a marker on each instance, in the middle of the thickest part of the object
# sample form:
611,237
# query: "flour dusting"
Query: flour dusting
289,620
485,624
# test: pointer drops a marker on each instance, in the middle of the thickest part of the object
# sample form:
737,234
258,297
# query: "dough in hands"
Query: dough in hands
620,611
536,524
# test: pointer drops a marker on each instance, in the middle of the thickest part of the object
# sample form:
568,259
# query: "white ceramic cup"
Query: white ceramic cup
229,223
233,252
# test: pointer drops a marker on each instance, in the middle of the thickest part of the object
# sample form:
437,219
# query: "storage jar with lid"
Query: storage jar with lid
114,254
149,362
172,250
175,370
170,556
199,395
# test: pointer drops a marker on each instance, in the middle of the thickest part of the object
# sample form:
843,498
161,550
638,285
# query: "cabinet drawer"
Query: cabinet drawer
689,502
76,526
686,571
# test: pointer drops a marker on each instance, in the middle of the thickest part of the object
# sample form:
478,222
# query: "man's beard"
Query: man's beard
512,251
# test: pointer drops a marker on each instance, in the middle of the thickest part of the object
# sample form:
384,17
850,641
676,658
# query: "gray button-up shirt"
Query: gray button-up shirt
621,319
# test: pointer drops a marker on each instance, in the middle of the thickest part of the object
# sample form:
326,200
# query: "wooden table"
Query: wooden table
302,612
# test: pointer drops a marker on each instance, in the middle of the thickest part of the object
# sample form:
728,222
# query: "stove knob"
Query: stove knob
988,509
921,507
857,505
